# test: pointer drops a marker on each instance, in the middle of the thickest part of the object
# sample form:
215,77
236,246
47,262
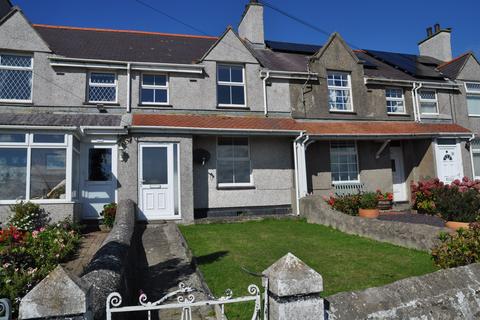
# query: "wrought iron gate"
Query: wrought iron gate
186,300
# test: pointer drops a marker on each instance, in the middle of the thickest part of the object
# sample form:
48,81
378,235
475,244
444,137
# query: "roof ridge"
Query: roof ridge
453,60
125,31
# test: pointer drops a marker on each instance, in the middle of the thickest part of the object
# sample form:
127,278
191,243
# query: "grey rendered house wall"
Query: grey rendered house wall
128,170
57,211
272,171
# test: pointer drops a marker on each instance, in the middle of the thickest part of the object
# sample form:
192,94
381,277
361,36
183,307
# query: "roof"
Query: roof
320,128
452,69
53,120
124,45
5,7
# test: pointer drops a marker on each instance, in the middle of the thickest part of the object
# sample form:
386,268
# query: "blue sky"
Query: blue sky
373,24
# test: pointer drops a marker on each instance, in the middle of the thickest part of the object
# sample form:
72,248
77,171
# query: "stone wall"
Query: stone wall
445,294
415,236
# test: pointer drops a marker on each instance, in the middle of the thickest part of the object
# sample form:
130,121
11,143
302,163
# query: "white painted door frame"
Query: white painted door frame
400,193
440,151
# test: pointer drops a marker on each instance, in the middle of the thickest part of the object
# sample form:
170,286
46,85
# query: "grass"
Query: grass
346,262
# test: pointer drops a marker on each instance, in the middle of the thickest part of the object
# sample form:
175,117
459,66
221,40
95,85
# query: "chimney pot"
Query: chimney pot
429,31
437,27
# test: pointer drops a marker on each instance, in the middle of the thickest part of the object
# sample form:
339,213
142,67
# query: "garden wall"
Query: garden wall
415,236
446,294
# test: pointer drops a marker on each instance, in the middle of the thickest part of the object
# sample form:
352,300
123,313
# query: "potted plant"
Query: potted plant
368,205
385,200
457,206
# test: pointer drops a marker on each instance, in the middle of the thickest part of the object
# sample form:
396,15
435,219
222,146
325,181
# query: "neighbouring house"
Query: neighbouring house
193,126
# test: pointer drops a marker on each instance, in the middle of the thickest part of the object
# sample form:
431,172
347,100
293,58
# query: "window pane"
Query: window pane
427,94
237,74
476,164
148,95
148,80
104,78
223,73
473,103
48,138
242,171
241,147
160,96
13,173
238,95
75,174
15,84
428,107
100,164
225,171
15,61
224,95
160,80
14,137
225,148
473,87
47,177
102,94
155,165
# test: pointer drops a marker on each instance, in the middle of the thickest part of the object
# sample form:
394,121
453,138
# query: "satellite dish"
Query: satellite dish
201,156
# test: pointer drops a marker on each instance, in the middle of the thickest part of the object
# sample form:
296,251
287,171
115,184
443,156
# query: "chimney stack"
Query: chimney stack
438,43
251,26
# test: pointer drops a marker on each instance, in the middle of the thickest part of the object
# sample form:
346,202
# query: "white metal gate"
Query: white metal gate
185,301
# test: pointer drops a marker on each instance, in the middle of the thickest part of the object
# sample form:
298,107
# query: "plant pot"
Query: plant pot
454,225
368,213
385,204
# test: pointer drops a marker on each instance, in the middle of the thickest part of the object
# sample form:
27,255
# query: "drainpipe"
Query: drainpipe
417,103
129,85
295,154
265,106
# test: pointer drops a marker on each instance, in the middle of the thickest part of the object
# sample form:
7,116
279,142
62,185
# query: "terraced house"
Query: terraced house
194,126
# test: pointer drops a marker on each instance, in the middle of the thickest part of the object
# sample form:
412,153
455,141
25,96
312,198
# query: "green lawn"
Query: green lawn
346,262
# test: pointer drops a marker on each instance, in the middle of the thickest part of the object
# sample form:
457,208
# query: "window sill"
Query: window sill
339,183
106,104
342,112
398,114
227,106
40,201
16,103
474,115
235,187
154,105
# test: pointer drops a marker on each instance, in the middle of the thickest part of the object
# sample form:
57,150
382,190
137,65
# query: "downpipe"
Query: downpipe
265,100
295,157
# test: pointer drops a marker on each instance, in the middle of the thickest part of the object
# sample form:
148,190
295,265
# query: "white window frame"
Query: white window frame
474,149
153,87
29,145
21,69
420,100
402,99
358,166
109,85
471,93
349,88
234,84
235,184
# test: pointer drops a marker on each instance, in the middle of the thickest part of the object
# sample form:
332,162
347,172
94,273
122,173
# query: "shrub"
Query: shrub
453,204
387,196
458,249
423,195
368,200
109,212
347,204
28,216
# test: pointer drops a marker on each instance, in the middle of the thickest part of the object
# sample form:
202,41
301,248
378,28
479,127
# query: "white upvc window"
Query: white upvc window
428,101
475,152
339,91
102,87
395,100
154,89
233,162
16,77
344,162
231,90
473,98
35,167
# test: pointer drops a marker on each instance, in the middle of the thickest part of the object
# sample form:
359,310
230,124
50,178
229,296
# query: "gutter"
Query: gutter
23,127
293,75
392,137
213,131
426,84
94,130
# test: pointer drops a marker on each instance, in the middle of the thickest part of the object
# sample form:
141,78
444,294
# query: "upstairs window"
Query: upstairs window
339,91
231,86
102,87
344,161
428,102
233,162
16,78
473,98
154,89
395,100
475,149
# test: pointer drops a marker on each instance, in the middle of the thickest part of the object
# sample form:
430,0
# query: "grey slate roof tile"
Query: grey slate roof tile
50,119
452,68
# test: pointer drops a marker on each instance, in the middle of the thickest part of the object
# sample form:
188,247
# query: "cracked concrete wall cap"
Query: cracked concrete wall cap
290,276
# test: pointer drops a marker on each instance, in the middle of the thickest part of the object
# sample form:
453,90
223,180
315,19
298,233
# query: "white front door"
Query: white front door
156,182
449,160
398,175
99,182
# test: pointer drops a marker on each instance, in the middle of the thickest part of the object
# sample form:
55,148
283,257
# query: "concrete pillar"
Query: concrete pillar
60,296
294,290
5,309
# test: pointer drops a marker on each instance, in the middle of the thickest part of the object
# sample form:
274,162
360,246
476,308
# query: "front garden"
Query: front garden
346,262
30,248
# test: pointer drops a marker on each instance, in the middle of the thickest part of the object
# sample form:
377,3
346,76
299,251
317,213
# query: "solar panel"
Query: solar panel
293,47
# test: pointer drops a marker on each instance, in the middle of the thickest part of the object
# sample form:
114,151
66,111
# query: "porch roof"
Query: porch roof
320,128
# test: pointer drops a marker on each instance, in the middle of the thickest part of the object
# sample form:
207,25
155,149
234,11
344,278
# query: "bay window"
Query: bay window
233,162
34,166
473,98
344,161
16,74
